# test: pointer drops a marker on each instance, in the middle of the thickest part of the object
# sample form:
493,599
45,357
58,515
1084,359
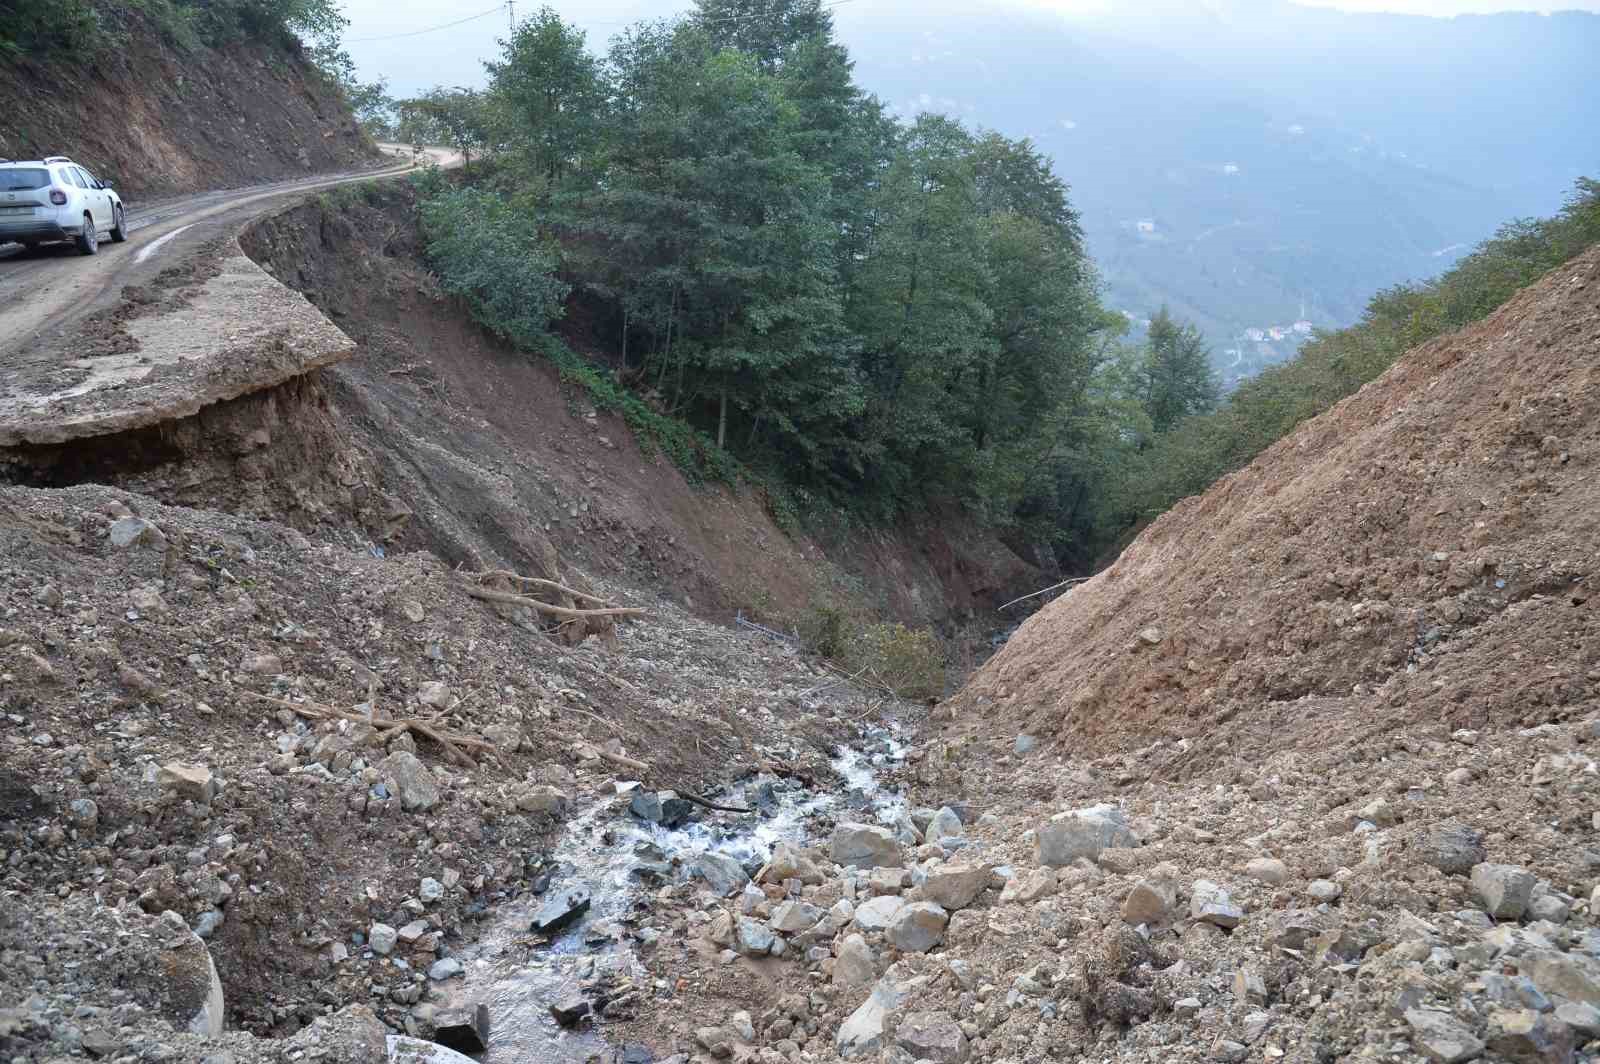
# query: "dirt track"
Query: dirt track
45,294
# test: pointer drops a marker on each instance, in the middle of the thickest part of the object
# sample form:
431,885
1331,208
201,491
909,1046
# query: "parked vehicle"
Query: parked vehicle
55,199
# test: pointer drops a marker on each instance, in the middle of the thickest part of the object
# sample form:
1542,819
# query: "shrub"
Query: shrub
908,661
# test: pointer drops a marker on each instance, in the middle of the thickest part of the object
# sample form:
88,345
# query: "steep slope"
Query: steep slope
157,119
487,451
1425,551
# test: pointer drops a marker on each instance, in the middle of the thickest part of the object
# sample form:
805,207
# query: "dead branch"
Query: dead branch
553,611
535,582
697,800
592,716
388,729
626,762
1047,590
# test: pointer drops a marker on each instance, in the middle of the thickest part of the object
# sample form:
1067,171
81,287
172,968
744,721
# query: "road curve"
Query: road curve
44,293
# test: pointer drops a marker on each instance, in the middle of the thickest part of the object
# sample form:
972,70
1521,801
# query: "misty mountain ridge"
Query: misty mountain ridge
1256,164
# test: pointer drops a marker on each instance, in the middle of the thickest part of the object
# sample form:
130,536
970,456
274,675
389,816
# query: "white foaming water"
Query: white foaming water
602,849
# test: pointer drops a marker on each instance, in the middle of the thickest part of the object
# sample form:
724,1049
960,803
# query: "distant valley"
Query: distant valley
1257,165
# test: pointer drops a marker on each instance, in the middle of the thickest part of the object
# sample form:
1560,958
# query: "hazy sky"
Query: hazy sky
455,55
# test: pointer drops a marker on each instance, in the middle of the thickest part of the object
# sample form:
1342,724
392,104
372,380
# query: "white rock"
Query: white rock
1210,903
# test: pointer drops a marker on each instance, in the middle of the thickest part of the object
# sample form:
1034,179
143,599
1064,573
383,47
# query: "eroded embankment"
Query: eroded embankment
493,453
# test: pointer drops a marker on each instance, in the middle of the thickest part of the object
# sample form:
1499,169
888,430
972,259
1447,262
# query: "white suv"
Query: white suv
56,199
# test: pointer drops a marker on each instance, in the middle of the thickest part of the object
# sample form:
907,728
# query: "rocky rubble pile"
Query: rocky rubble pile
167,752
1437,900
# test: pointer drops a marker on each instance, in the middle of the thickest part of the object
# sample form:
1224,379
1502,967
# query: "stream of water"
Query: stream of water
616,856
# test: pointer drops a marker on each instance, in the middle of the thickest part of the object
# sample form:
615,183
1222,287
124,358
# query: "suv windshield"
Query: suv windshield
23,180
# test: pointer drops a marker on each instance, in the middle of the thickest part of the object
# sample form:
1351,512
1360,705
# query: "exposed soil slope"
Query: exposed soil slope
158,120
1424,552
485,453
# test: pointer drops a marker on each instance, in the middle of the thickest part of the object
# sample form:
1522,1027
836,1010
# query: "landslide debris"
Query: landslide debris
1422,900
1424,553
166,755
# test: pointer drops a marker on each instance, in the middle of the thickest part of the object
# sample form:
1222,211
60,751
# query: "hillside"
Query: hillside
1253,164
158,118
1422,553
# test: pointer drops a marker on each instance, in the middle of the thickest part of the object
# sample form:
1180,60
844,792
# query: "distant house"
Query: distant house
1255,336
1302,327
1146,225
1276,333
1230,168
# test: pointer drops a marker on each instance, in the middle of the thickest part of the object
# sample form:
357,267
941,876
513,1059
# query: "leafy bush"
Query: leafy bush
495,258
35,27
909,661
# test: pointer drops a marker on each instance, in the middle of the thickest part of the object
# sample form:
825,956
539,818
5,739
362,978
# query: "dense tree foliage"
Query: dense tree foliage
457,118
870,314
875,315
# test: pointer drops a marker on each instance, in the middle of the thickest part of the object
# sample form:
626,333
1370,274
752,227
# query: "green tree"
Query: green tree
494,257
456,118
919,306
549,95
1176,379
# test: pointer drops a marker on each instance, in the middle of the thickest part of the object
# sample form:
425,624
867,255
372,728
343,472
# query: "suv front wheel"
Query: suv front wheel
89,240
119,225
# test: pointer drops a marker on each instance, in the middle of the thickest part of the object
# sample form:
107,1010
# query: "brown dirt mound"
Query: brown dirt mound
1425,552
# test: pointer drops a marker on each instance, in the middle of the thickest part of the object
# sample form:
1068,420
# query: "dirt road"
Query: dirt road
44,293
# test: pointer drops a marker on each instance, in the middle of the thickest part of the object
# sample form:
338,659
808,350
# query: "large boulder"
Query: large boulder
934,1036
1083,833
861,1034
1504,890
1573,976
945,824
789,863
791,916
1452,848
1210,903
866,846
856,964
1442,1037
722,873
956,885
1151,902
191,996
918,927
752,937
410,779
876,914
